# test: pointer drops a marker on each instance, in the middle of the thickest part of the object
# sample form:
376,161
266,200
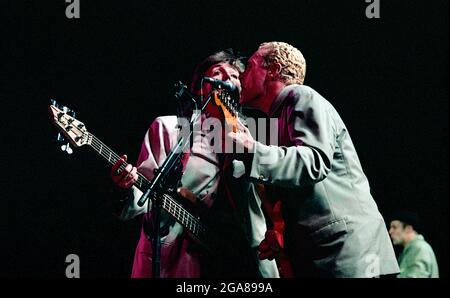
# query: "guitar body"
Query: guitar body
272,206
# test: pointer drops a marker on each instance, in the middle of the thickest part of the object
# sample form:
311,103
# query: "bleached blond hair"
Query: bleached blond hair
293,64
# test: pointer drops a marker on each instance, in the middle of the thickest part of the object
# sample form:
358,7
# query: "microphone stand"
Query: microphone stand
159,184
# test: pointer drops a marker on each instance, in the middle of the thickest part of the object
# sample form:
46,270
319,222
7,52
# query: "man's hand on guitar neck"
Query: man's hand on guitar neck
123,178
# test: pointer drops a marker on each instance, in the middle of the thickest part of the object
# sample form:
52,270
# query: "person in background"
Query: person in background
417,260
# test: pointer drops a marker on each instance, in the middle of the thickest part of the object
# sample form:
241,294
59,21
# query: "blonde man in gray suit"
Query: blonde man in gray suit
332,224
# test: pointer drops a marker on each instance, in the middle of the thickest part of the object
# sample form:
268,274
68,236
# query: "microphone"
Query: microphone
221,84
183,92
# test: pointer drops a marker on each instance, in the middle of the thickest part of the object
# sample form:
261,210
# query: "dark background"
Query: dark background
116,65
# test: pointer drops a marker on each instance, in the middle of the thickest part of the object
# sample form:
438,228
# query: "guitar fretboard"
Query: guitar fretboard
170,205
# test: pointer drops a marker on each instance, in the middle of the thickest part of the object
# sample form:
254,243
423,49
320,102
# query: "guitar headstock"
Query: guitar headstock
74,130
228,106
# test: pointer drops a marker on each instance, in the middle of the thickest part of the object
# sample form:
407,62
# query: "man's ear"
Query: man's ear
274,70
409,228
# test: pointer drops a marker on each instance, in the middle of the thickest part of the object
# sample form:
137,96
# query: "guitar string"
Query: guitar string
191,221
172,205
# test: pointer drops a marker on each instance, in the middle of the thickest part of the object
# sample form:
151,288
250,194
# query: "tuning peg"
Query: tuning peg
60,138
67,148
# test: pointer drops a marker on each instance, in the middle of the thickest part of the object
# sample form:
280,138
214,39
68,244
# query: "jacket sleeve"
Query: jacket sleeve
201,170
312,136
158,140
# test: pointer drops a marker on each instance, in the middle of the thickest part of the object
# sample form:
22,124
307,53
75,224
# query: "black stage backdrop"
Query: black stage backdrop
116,66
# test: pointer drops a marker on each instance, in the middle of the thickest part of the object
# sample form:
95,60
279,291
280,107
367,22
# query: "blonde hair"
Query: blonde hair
293,64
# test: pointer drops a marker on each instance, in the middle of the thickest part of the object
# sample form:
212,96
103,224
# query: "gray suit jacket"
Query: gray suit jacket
331,217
